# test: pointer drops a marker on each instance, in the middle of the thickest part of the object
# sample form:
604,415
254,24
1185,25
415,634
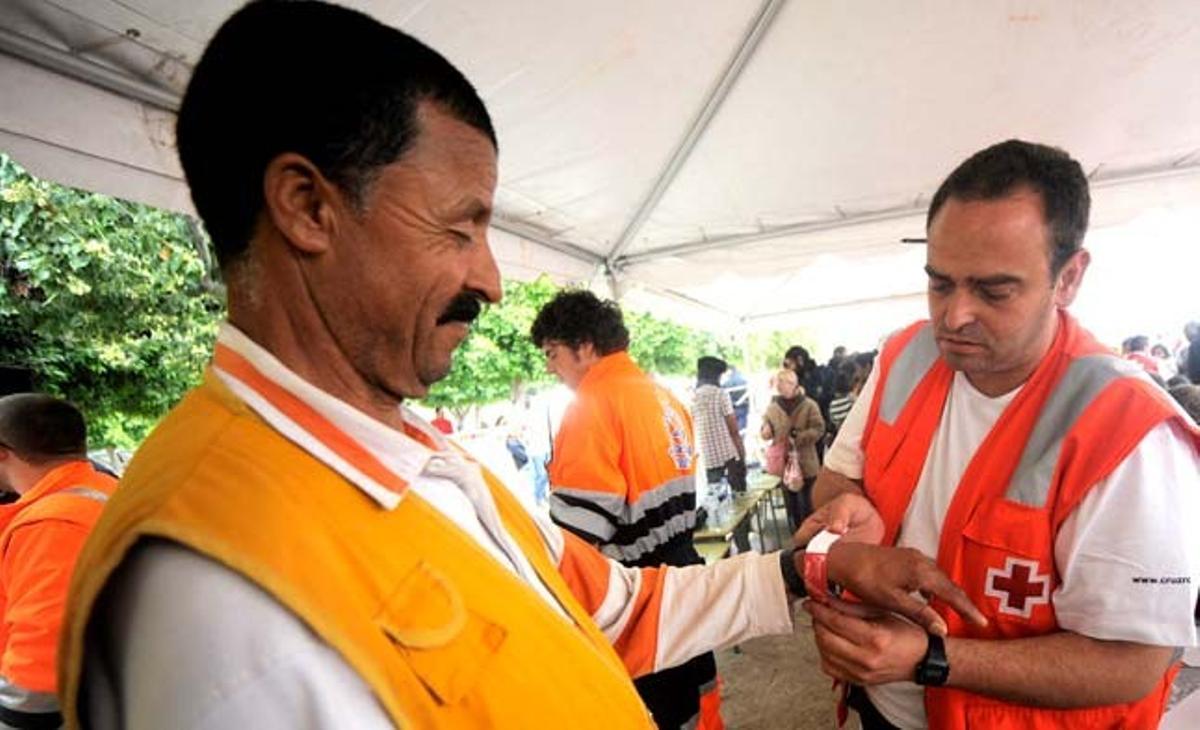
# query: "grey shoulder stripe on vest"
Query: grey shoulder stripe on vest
910,367
16,698
580,520
88,492
622,513
1085,378
655,538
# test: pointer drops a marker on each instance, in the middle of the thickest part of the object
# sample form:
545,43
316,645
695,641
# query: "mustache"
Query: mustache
465,308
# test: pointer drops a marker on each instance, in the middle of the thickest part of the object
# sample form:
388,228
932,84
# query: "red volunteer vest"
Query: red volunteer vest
1076,419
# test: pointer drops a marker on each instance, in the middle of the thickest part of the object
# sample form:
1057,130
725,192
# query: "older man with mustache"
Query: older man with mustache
1051,479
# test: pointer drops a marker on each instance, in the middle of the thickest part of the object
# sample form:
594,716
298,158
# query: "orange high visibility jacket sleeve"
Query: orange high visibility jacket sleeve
660,617
36,571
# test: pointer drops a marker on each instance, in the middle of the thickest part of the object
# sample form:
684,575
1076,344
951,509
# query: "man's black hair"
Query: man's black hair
709,369
1188,397
325,82
1005,168
576,316
798,354
41,428
1138,343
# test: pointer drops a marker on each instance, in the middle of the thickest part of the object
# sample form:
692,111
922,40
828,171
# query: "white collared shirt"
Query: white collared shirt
188,643
444,476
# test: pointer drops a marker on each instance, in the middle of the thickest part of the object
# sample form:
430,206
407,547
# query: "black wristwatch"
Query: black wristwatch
791,577
933,670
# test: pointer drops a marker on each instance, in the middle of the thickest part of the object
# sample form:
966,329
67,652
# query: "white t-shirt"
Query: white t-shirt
1137,523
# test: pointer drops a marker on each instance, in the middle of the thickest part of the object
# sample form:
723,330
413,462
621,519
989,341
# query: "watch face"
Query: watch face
932,674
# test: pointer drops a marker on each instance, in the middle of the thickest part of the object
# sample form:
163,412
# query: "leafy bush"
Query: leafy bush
112,304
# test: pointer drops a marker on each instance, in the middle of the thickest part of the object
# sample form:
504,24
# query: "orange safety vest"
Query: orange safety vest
35,577
442,634
1078,416
623,470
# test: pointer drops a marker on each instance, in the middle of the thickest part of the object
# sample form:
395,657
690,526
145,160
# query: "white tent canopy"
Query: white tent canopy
727,162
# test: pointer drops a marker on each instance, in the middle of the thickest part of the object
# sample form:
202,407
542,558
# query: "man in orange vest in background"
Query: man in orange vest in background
43,458
293,546
1049,478
622,475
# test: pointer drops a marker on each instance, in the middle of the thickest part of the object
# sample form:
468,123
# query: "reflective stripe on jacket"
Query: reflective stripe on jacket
1078,416
41,536
623,472
442,633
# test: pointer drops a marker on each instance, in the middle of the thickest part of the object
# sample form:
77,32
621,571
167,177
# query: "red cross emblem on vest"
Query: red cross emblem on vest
1018,587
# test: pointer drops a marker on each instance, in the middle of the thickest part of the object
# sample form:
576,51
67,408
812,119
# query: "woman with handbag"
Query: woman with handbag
792,426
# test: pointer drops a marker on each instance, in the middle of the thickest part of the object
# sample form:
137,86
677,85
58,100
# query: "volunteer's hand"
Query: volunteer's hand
886,577
850,515
866,651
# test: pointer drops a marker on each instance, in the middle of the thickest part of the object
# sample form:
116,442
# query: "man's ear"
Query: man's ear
301,203
1066,286
586,352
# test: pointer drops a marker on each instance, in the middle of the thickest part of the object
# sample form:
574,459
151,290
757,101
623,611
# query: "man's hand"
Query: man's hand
850,515
866,651
887,577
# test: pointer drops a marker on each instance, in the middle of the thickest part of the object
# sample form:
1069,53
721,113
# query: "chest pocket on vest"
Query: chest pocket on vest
444,643
1008,567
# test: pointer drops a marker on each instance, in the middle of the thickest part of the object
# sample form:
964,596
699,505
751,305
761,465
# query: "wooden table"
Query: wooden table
713,541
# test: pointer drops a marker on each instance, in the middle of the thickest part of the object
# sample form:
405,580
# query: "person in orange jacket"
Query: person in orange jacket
622,475
43,458
1051,479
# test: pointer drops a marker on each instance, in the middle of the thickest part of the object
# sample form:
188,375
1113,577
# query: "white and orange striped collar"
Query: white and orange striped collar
376,458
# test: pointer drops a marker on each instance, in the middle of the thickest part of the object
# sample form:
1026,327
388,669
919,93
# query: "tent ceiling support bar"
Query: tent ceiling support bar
77,67
685,299
682,249
762,21
530,233
68,64
1179,168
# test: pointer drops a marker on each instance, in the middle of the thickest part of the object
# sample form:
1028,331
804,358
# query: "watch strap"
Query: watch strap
791,576
934,668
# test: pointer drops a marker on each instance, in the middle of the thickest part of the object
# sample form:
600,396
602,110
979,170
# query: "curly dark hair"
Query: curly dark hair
1001,169
576,316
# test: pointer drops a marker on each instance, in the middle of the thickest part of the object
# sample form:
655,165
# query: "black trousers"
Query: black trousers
734,470
870,717
798,504
673,695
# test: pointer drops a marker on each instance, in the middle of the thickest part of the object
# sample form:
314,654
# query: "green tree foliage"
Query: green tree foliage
767,348
111,304
115,306
498,360
664,347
